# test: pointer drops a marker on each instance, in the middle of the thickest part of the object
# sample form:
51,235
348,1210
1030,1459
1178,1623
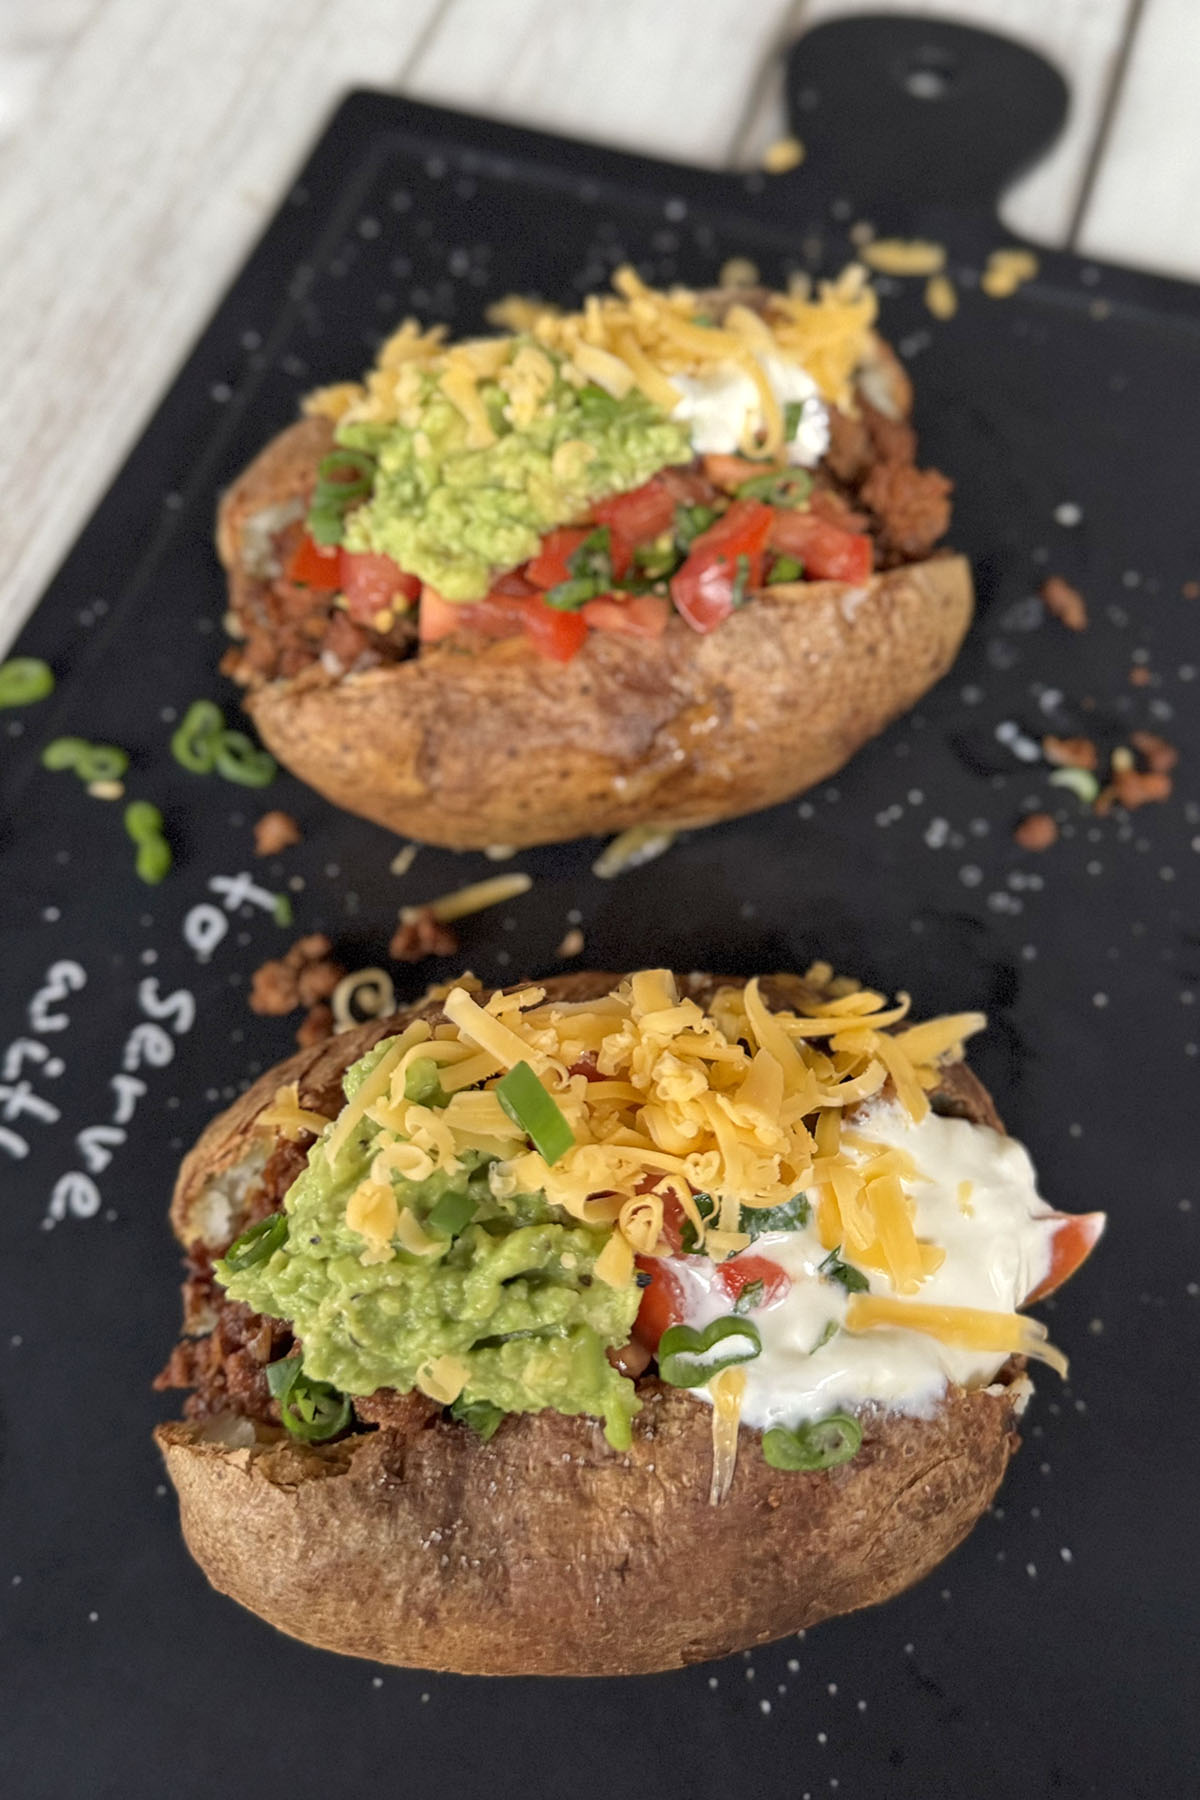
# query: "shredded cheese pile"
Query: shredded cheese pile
635,338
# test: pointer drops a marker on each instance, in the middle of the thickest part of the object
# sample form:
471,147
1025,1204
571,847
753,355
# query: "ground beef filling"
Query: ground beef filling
868,481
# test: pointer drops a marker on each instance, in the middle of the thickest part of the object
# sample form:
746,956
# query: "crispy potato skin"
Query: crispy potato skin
469,746
545,1551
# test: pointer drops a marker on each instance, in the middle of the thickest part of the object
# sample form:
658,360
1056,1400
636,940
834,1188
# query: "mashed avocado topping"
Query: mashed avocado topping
463,489
502,1305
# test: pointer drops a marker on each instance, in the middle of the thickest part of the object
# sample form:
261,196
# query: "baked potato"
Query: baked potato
463,1524
682,673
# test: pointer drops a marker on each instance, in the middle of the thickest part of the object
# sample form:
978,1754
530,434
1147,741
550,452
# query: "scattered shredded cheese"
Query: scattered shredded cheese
287,1118
363,994
727,1390
1006,271
904,256
471,899
964,1327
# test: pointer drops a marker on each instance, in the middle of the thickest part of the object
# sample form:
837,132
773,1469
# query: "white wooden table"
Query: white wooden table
143,143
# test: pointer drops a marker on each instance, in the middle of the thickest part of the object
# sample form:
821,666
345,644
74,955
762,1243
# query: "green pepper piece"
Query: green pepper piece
239,759
689,1358
24,679
194,741
257,1243
823,1444
313,1411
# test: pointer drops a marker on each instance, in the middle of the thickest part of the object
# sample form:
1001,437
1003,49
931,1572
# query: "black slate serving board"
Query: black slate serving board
1056,1653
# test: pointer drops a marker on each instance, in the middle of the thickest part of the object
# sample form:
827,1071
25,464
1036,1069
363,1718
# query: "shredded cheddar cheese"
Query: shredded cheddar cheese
287,1117
964,1327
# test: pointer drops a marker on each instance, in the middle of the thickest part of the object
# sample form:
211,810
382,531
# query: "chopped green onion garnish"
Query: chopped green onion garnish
101,762
64,753
1080,782
343,477
741,581
793,412
530,1107
689,1358
569,596
480,1415
820,1445
281,912
451,1213
239,759
791,1216
657,559
785,568
690,521
750,1297
153,860
834,1269
194,741
779,487
423,1082
24,679
706,1206
312,1410
143,821
257,1244
595,403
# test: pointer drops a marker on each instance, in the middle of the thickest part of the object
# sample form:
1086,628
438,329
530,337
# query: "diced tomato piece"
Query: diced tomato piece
661,1304
827,552
1075,1237
513,585
438,617
639,516
558,635
374,584
729,472
314,567
743,1271
703,589
641,615
552,564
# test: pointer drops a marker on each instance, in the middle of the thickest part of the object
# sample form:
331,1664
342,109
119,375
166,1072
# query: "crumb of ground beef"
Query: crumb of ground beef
1132,788
1037,831
1140,676
316,1026
422,936
304,975
1065,602
274,832
1156,753
1071,753
911,507
392,1411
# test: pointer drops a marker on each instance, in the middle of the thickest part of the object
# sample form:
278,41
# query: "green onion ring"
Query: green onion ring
194,741
257,1243
531,1108
823,1444
239,759
689,1358
24,679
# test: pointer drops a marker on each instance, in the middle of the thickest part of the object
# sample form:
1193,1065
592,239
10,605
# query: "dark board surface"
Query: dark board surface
1057,1651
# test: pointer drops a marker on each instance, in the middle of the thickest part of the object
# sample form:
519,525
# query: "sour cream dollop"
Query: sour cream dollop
976,1197
724,409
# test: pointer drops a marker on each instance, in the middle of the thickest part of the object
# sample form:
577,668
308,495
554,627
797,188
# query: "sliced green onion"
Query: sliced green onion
793,412
750,1297
1080,782
64,753
451,1213
24,679
822,1445
153,861
257,1244
313,1411
793,1215
597,404
480,1415
785,568
531,1108
239,759
281,912
657,559
143,821
831,1330
690,521
569,596
423,1083
101,762
689,1241
194,741
689,1358
741,581
778,487
834,1269
343,477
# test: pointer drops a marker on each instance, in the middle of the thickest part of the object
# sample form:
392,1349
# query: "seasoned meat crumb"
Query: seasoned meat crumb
1132,788
1071,753
316,1026
911,506
1156,753
274,832
303,976
422,936
1037,831
1065,602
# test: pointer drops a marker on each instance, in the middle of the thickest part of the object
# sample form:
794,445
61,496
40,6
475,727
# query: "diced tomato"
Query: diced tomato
703,589
374,584
729,472
827,552
743,1271
641,615
558,635
438,617
639,516
552,564
514,585
1075,1237
314,567
674,1219
662,1301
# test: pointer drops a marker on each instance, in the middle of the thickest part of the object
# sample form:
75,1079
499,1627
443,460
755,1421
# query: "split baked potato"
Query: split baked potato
680,690
538,1548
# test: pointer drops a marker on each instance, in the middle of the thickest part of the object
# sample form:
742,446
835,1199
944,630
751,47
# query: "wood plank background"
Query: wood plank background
143,145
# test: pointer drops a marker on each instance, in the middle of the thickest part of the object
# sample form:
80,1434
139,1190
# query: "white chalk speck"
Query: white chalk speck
1068,513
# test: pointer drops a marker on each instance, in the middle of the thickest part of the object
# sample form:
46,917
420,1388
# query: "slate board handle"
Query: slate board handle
898,112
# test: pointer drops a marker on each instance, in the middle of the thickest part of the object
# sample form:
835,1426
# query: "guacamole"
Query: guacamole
510,1293
455,515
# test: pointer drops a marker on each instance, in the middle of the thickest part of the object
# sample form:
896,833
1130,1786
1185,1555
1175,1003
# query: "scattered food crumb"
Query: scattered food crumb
274,832
784,154
1191,590
941,296
904,256
572,944
1037,831
316,1026
500,852
1065,602
1070,753
404,859
1132,788
1006,271
106,790
363,994
422,935
1158,756
304,975
739,271
1140,676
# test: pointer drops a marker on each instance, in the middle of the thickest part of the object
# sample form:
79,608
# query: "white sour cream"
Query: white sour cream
996,1254
724,410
